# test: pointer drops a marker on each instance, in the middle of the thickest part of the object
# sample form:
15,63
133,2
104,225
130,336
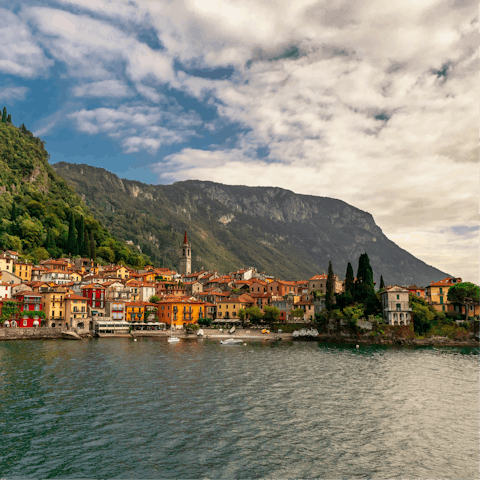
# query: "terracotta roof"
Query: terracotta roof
446,281
75,297
92,285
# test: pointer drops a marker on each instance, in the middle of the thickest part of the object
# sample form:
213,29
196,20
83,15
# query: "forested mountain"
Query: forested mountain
40,214
288,235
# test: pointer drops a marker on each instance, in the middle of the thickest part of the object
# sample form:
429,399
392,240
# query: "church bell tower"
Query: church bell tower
185,257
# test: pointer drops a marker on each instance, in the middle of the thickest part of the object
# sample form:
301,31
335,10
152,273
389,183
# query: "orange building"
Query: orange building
437,293
180,311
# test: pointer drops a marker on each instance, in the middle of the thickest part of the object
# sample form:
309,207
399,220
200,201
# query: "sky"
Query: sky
371,102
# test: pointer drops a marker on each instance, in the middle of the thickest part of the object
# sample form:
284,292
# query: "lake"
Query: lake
115,408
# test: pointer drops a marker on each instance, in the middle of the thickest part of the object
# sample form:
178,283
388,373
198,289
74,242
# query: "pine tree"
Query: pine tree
330,295
349,279
80,236
382,284
72,246
9,119
4,116
93,253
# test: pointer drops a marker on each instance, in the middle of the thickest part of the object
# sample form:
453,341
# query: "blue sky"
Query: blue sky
372,102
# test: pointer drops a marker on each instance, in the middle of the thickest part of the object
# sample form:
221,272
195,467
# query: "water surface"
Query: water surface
115,408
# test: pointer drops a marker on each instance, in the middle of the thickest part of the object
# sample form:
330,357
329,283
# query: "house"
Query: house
134,311
116,290
30,304
9,277
6,263
285,305
437,293
319,283
141,291
243,274
61,265
229,307
180,311
95,293
53,304
281,288
76,312
118,271
60,277
258,286
37,271
115,308
192,288
308,309
23,270
5,290
261,300
12,254
417,291
395,305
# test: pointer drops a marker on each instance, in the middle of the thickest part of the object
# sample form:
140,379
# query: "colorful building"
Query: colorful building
76,311
437,293
23,270
180,311
30,304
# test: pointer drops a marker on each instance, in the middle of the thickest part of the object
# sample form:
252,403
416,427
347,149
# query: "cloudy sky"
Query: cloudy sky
372,102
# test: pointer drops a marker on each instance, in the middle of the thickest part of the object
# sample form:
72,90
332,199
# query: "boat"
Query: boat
200,333
232,329
172,339
231,341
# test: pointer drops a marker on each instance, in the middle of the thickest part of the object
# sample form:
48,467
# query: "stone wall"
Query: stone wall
28,333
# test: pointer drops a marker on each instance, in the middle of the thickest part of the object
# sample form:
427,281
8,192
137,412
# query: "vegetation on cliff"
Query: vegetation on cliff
40,214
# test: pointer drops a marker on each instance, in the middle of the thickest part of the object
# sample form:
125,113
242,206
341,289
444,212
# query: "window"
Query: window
399,307
443,308
25,323
398,297
441,301
441,290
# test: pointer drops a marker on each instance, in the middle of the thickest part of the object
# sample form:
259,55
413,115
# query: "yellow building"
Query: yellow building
76,311
134,311
53,304
118,271
75,276
24,271
229,308
6,264
180,311
437,293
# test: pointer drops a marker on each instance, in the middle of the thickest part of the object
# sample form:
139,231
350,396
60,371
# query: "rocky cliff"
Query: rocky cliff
285,234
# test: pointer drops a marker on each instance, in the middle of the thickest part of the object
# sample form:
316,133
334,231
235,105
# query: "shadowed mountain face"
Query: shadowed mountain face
284,234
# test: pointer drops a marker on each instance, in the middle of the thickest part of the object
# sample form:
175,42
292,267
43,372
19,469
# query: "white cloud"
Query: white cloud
105,88
138,128
10,94
20,54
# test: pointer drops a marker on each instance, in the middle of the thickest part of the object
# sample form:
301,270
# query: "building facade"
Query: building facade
396,306
185,260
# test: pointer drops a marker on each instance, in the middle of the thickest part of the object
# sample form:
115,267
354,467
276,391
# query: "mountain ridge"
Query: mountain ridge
289,235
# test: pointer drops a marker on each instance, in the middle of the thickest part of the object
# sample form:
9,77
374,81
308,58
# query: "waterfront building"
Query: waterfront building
395,305
134,311
115,308
53,304
437,293
29,303
229,307
180,311
185,260
95,294
76,312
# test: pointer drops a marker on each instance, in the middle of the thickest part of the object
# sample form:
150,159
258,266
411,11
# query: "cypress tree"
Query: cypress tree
80,236
9,119
50,242
382,284
349,279
86,245
93,253
4,115
72,246
364,287
330,296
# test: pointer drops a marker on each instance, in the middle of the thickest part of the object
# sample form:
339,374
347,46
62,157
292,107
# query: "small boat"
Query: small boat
232,330
200,333
231,341
172,339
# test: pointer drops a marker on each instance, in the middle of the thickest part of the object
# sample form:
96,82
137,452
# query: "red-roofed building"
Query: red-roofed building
437,293
319,283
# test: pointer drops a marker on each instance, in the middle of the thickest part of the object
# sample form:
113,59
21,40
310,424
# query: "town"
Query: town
85,297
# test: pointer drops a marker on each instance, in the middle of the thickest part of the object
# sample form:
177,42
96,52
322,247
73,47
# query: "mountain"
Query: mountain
282,233
37,207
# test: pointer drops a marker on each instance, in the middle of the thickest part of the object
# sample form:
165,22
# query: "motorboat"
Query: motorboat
232,341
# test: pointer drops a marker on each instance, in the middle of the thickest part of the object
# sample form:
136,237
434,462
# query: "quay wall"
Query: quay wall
30,333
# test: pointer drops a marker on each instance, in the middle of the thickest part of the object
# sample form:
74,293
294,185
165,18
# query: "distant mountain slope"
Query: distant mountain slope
288,235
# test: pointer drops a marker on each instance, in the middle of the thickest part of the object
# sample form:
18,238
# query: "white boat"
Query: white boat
231,341
172,339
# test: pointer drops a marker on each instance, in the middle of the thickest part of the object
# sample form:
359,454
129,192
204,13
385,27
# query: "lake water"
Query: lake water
115,408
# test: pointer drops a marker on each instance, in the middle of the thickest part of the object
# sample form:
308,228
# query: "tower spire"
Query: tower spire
185,239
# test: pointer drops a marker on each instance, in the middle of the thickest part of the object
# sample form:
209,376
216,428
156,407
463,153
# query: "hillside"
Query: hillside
288,235
37,206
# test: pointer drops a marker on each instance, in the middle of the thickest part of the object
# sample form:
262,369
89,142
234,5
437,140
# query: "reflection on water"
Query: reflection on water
114,408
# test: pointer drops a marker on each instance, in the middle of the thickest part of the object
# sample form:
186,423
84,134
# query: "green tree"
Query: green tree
72,247
86,245
353,314
465,294
10,310
4,116
13,213
9,119
365,288
254,314
81,236
382,284
349,279
297,313
424,315
271,315
93,251
154,299
330,294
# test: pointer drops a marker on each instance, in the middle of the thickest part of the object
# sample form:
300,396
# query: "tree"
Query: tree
271,314
349,279
50,242
93,252
13,213
154,299
4,116
81,236
364,287
423,314
330,294
9,119
72,247
297,313
353,314
254,314
465,294
382,284
86,245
